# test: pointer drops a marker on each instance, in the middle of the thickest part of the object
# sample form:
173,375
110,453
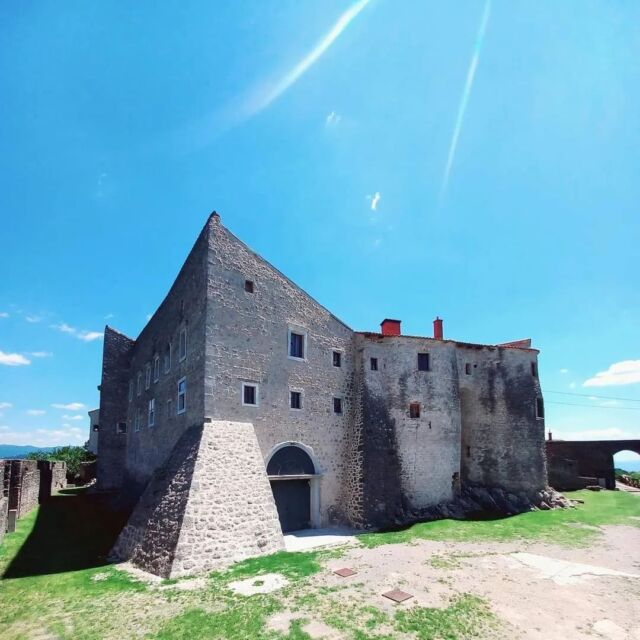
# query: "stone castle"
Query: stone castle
245,409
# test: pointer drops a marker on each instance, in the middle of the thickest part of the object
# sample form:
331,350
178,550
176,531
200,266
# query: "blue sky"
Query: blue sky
322,132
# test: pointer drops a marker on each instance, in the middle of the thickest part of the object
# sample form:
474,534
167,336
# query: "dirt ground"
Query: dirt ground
538,591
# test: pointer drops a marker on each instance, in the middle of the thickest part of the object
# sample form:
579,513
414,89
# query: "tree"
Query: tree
73,456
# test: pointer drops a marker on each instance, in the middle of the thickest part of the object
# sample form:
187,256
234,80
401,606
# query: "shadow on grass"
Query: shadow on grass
73,530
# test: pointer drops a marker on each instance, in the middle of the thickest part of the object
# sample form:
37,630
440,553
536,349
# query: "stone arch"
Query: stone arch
294,475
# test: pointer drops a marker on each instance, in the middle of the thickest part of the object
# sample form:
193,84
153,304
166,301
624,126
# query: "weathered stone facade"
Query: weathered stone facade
4,502
370,460
24,485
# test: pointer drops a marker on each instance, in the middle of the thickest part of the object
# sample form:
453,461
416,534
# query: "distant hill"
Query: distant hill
16,451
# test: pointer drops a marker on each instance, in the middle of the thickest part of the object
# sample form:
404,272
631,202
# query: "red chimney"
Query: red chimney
437,329
390,327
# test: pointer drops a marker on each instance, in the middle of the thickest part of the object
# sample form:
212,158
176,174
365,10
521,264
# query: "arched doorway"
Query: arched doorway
293,477
627,462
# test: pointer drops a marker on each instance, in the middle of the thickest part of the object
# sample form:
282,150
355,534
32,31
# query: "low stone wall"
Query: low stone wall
24,485
53,477
4,503
564,475
87,472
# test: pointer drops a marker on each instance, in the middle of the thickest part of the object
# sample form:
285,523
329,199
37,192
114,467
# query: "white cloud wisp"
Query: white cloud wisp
619,373
13,359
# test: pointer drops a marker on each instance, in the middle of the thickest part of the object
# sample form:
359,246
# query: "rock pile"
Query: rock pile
476,502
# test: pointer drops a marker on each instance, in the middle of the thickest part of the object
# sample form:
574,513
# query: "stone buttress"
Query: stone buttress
208,506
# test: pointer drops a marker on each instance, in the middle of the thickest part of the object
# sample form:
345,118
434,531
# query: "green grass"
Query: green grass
291,565
561,526
466,617
56,580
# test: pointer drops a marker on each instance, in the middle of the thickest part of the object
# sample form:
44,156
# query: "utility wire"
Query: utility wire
590,406
591,395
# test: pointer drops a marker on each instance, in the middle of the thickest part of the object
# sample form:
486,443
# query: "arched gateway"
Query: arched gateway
294,482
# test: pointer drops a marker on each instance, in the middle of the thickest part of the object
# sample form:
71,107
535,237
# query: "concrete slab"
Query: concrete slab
564,572
316,538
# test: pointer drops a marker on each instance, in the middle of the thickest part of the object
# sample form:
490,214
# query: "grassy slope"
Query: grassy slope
561,526
76,595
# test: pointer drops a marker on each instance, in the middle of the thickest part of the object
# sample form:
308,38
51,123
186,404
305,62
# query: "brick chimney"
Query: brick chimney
390,327
437,329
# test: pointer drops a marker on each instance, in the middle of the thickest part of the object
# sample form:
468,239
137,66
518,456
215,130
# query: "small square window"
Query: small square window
96,427
467,368
539,408
248,286
297,345
182,345
182,395
296,400
468,452
337,405
249,394
374,364
414,410
423,362
337,359
534,369
121,428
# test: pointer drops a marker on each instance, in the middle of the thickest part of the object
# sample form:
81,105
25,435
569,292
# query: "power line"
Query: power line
590,406
590,395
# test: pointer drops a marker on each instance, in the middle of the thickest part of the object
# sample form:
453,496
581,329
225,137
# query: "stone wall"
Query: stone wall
4,502
247,341
113,408
23,477
210,505
53,477
502,438
408,462
184,307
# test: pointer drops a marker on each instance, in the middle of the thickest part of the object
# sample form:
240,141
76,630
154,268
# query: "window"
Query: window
147,376
423,362
139,383
156,368
297,344
182,345
152,412
121,428
296,400
169,408
534,369
249,394
468,452
248,286
374,364
167,359
337,405
130,390
414,410
467,368
182,395
137,420
337,359
96,428
539,408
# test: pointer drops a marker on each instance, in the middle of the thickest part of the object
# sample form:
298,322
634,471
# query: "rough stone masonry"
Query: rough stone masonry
245,408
